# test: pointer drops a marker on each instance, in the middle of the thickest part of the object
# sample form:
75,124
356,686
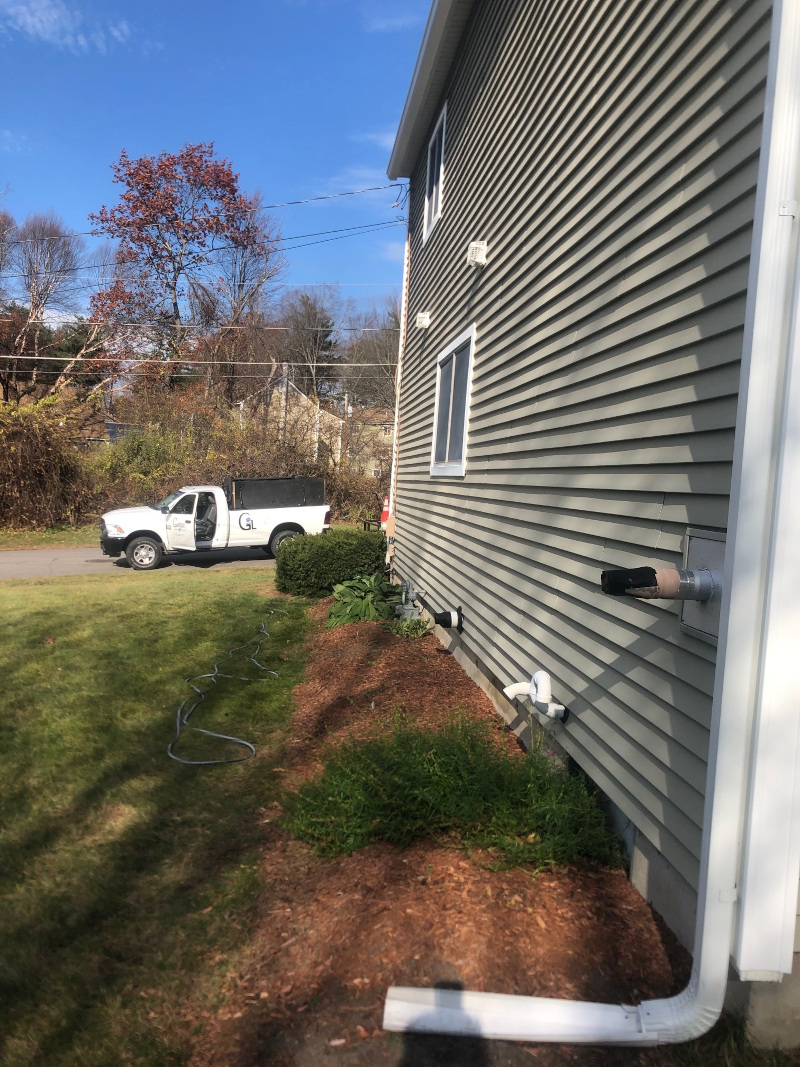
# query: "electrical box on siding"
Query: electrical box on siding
704,550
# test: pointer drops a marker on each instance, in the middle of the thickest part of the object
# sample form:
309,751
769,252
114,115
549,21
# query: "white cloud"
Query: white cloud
53,22
45,20
120,31
382,138
382,16
13,143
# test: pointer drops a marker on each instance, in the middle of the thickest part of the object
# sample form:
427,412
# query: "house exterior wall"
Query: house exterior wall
608,153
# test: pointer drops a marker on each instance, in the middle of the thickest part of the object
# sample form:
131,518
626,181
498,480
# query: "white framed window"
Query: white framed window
451,410
434,180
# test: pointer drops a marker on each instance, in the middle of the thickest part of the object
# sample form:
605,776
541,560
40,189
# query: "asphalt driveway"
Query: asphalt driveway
58,562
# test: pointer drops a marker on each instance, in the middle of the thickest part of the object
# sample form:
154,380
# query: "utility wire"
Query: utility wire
200,326
349,230
192,362
177,372
224,214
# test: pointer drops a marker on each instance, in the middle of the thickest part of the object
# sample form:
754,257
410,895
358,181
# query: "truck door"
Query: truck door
180,523
221,533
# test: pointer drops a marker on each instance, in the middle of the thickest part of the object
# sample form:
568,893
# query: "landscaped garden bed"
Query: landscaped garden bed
334,932
254,915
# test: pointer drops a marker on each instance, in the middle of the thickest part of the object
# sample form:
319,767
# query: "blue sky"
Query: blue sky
303,96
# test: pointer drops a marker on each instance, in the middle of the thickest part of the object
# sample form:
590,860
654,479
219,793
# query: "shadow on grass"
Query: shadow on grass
123,875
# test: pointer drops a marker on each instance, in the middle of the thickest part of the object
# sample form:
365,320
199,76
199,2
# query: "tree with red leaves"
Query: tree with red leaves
179,219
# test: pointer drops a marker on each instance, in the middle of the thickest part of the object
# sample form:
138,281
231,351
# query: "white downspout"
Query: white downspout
695,1010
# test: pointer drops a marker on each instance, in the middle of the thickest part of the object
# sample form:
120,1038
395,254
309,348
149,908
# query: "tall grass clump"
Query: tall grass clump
454,783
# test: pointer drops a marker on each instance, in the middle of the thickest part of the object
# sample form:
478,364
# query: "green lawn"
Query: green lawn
58,537
75,536
126,880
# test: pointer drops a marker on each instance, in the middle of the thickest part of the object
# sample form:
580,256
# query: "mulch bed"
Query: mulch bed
334,934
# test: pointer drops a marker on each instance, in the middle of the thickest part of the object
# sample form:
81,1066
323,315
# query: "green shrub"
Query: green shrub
42,478
367,599
417,783
313,565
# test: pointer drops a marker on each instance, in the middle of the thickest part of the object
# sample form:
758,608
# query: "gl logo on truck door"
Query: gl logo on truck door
246,523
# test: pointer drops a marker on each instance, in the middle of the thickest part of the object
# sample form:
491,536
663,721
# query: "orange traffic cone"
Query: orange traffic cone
385,512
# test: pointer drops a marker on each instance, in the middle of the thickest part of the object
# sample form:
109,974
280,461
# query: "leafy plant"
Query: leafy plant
366,599
312,566
454,783
412,629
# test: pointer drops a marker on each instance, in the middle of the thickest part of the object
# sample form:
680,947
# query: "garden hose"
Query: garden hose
183,716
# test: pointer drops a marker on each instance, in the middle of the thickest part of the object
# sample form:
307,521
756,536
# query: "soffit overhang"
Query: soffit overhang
440,42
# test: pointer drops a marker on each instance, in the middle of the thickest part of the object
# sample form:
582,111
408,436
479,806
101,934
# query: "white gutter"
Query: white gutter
440,41
756,502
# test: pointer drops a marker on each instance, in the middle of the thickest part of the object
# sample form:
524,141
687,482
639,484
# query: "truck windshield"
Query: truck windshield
168,500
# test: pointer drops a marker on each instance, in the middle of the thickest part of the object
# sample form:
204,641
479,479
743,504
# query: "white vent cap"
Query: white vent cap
476,253
423,320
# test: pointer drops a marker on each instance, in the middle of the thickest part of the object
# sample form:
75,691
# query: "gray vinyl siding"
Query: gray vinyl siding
608,153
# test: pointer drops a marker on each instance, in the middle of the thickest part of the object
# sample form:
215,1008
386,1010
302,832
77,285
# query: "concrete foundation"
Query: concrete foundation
773,1011
664,889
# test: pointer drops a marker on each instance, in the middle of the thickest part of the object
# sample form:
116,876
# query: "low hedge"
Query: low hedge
313,565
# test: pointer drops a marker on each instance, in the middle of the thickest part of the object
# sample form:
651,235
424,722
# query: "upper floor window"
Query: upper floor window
451,411
433,185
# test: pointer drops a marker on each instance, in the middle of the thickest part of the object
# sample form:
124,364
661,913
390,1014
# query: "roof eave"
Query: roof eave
443,32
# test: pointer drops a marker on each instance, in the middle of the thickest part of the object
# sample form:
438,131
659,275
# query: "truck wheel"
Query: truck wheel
144,553
282,535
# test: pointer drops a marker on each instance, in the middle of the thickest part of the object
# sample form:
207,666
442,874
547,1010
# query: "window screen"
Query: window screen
453,380
433,188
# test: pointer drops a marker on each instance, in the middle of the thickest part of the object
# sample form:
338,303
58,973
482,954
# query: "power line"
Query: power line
200,326
221,215
351,231
327,240
193,362
176,374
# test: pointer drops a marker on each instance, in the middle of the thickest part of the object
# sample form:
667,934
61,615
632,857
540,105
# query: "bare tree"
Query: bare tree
371,357
7,230
84,341
310,342
230,299
44,262
47,258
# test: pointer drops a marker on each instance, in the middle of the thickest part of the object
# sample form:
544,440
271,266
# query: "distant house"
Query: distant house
602,244
361,438
375,439
98,430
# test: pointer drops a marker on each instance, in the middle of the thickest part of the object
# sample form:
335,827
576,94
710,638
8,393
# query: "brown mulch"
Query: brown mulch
334,934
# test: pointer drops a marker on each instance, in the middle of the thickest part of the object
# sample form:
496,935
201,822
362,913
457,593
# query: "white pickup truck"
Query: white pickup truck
244,513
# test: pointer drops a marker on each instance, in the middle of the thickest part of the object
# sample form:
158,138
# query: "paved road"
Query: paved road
57,562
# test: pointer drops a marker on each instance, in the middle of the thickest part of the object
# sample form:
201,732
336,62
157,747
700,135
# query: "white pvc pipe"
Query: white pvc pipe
539,690
517,691
543,687
513,1018
696,1009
